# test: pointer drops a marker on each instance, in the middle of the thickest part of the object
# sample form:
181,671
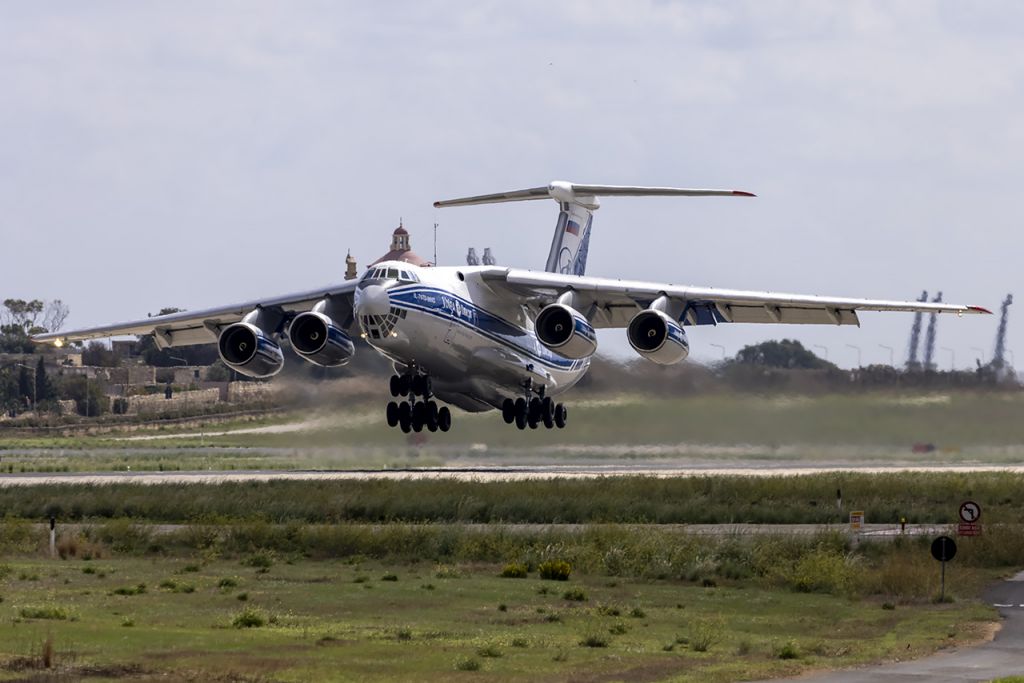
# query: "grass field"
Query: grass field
362,620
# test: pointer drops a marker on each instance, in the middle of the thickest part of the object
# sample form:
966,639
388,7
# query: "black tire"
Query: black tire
392,414
431,413
395,385
547,412
404,385
405,422
419,416
404,411
561,415
444,419
508,411
521,408
534,414
415,384
521,418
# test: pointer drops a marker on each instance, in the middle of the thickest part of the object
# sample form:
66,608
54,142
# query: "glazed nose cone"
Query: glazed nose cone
372,300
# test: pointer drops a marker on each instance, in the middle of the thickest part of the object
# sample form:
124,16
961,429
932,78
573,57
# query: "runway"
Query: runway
474,473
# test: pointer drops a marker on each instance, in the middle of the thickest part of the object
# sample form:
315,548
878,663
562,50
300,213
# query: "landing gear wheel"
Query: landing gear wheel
547,412
561,415
404,385
444,419
405,417
392,413
419,416
508,411
395,385
432,414
521,419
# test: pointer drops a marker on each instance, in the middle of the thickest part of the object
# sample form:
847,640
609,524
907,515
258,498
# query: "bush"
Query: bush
249,618
704,633
594,640
138,589
554,570
227,582
514,571
489,651
44,612
574,595
467,664
787,651
260,560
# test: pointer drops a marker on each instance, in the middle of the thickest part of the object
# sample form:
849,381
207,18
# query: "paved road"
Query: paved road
471,473
1003,656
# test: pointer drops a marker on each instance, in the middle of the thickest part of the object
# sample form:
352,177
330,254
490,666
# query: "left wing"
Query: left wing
612,303
202,327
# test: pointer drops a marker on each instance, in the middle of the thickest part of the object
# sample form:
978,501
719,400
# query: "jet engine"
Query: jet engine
318,339
565,330
657,337
246,348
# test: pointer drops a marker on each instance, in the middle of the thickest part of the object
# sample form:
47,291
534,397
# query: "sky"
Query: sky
198,153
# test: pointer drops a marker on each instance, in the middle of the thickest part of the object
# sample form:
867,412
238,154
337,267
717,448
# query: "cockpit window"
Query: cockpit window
392,273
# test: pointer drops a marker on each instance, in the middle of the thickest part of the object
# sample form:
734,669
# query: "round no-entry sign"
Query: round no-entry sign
970,511
943,548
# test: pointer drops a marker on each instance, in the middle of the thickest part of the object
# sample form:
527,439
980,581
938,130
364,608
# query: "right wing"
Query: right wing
203,327
613,303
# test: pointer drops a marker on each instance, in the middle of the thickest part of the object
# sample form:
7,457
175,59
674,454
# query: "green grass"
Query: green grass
310,620
810,499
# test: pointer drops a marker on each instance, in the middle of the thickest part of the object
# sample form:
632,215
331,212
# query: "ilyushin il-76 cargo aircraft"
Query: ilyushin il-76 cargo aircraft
489,337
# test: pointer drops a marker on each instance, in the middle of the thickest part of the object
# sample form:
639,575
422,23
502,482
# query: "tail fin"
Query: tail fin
577,204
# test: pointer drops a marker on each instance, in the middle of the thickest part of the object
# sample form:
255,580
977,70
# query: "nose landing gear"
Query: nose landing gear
419,410
533,411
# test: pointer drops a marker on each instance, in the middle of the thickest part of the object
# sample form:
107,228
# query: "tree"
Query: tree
44,388
788,353
54,314
88,396
97,354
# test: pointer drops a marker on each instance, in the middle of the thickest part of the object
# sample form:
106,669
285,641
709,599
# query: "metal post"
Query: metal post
952,357
720,348
53,537
823,348
857,349
942,590
892,354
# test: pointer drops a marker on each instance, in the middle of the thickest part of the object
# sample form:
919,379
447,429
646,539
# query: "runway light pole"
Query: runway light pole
892,354
823,348
720,348
952,358
857,349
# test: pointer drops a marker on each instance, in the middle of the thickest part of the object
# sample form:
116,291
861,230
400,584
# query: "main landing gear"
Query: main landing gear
419,410
534,411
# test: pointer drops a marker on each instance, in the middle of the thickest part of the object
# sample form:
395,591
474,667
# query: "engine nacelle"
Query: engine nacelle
318,339
565,330
657,337
246,348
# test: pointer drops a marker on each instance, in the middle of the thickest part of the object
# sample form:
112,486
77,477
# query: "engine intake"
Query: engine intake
567,331
246,348
318,339
657,337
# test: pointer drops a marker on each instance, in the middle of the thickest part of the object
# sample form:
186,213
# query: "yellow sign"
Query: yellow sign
856,520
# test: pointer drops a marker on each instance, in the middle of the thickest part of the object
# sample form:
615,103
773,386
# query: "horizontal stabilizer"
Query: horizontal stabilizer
563,191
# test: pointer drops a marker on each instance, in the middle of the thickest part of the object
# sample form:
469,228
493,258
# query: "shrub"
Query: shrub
389,577
138,589
502,607
190,568
594,640
489,651
574,595
554,570
552,618
227,582
609,611
467,664
127,622
520,642
514,571
242,597
704,633
618,629
261,560
43,612
637,613
249,618
403,634
787,651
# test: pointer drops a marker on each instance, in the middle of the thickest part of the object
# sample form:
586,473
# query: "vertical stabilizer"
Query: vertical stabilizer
571,240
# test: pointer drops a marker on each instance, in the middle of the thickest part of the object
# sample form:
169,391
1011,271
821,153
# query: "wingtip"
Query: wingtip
741,193
979,309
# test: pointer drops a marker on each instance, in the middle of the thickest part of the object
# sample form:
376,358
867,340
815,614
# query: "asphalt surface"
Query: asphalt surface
471,473
1002,656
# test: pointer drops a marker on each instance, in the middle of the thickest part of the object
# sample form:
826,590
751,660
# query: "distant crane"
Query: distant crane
915,337
999,356
929,338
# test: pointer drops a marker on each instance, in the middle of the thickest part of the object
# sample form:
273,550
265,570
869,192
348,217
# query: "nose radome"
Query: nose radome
372,300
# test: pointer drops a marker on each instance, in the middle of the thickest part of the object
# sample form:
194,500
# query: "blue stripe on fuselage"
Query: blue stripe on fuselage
448,306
